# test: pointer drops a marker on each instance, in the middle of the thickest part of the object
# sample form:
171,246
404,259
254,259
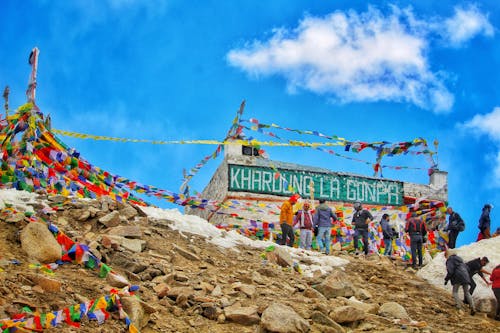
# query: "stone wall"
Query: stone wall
265,208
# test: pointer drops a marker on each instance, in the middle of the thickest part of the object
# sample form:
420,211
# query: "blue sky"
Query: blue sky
178,70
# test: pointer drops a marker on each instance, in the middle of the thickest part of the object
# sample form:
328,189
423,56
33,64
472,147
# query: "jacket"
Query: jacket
386,229
475,267
457,270
304,219
495,277
455,223
484,220
416,226
360,217
286,214
324,216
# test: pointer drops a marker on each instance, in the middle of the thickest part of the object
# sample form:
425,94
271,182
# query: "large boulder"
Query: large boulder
39,243
335,285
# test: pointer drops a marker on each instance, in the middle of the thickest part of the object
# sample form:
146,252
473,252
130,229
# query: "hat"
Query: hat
294,198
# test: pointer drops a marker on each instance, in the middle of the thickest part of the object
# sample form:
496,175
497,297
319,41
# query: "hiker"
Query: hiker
475,266
388,233
286,220
417,230
324,219
495,286
455,226
304,220
458,274
360,220
484,223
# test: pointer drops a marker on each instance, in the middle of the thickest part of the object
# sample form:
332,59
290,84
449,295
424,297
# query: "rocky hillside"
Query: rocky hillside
156,278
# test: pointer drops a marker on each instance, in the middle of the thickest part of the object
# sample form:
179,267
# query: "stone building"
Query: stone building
258,186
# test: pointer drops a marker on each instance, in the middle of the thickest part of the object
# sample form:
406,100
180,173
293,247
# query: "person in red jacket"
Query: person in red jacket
495,279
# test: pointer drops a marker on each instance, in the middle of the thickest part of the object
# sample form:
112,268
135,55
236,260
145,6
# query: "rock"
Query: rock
321,318
365,307
335,285
281,318
242,315
284,258
128,212
130,231
133,307
186,254
347,314
47,284
39,243
393,310
111,219
127,263
116,280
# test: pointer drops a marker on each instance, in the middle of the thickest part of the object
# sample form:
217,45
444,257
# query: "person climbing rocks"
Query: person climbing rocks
458,273
495,286
475,266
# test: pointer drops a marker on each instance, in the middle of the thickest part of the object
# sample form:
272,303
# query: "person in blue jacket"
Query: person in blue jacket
324,217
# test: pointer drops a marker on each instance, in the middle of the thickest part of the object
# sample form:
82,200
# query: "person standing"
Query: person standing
417,230
286,220
484,223
458,274
495,286
475,266
360,220
388,233
304,220
455,226
324,219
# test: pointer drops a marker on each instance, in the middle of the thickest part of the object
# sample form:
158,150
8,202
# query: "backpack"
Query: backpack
459,222
461,225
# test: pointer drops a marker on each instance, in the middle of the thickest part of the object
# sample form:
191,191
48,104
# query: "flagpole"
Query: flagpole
33,61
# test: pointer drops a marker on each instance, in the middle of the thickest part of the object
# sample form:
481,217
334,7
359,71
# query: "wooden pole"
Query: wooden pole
33,61
6,92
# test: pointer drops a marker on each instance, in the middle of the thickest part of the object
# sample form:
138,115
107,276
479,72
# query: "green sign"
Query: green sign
328,186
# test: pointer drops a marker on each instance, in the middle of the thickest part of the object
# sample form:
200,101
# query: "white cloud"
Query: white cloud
466,24
496,171
488,124
352,56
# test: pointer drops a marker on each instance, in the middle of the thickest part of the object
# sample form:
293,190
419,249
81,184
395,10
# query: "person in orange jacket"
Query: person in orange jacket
286,220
